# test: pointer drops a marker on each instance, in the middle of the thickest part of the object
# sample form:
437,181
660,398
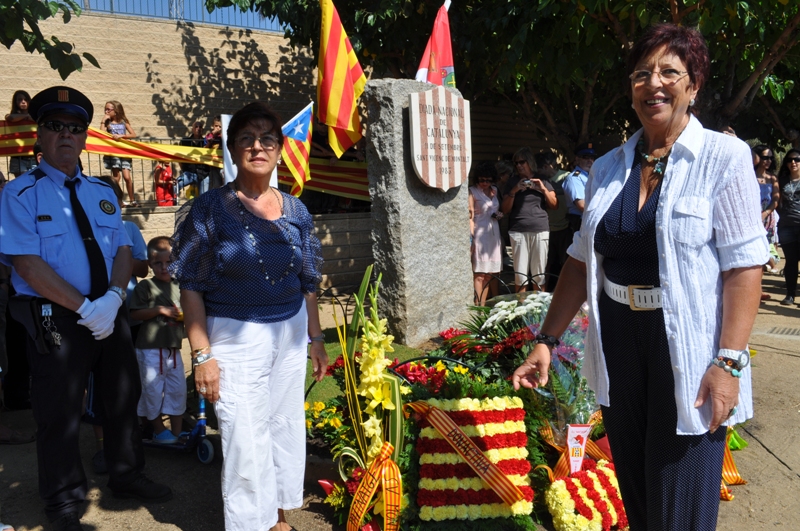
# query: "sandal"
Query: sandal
9,436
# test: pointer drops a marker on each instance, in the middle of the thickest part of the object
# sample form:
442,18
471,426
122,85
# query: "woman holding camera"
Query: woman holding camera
484,230
524,202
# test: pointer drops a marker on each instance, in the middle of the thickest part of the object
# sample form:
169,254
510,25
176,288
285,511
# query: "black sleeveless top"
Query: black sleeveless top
626,237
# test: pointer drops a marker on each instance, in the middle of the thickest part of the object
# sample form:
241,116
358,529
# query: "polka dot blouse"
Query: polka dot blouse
247,268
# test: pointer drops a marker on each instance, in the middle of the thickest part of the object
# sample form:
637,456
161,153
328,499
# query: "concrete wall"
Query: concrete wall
168,74
346,241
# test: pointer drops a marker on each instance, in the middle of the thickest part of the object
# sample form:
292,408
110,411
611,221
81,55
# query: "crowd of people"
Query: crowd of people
531,204
104,346
193,179
660,237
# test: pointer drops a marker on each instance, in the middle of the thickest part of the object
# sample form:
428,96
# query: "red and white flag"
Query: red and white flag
436,65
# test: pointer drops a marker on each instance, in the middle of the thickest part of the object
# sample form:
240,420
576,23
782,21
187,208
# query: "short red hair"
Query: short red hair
686,43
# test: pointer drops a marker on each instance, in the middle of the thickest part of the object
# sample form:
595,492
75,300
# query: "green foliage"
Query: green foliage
562,63
19,21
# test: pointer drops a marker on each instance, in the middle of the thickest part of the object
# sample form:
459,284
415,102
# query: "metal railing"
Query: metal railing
141,171
192,11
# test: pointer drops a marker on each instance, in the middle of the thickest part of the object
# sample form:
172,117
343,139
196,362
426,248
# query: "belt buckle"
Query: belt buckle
632,301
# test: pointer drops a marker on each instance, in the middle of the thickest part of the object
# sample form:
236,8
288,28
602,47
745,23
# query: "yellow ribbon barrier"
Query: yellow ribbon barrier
385,471
468,451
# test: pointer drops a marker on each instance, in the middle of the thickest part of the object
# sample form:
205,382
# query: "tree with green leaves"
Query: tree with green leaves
19,21
562,62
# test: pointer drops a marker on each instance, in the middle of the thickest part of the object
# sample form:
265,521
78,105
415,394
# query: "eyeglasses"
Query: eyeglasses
268,142
668,76
110,109
57,127
520,162
796,160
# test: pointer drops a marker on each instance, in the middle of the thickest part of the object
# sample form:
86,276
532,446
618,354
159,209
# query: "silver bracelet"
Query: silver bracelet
320,338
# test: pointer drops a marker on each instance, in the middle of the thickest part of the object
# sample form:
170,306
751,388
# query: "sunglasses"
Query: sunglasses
57,127
796,160
520,162
482,180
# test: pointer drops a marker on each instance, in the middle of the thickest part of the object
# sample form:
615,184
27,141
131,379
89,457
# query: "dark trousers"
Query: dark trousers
560,241
58,383
574,222
789,238
667,481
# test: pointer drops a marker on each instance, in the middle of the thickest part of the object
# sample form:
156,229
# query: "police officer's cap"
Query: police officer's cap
61,100
585,149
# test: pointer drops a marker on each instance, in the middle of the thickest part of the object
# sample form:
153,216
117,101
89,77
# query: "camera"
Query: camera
526,183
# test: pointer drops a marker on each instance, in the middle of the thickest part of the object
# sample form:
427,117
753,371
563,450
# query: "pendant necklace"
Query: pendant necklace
281,226
255,197
661,162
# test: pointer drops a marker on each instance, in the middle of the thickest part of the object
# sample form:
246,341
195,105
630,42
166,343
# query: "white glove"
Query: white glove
99,315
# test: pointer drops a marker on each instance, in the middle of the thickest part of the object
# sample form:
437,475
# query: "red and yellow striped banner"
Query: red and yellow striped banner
18,138
469,452
386,472
345,179
730,473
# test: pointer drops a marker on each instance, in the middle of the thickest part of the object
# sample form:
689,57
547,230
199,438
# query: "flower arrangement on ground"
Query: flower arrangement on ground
443,491
365,425
587,500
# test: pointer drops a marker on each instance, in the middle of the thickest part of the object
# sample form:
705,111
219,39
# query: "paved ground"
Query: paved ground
771,464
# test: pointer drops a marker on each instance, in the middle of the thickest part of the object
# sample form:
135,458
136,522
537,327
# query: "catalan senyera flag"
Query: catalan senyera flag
437,63
340,82
297,147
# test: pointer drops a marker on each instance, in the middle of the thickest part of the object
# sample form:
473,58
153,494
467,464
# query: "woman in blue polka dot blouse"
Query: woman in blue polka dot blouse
669,258
248,264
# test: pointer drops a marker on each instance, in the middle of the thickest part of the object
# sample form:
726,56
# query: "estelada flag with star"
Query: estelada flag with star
340,82
297,147
436,65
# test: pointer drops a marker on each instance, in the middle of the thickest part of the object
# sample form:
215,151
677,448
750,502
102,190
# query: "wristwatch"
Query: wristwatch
201,359
119,291
550,341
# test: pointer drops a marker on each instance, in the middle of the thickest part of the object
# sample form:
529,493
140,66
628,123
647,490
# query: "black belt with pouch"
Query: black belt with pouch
27,310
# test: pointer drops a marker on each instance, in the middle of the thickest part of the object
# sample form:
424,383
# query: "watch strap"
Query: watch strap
550,341
201,359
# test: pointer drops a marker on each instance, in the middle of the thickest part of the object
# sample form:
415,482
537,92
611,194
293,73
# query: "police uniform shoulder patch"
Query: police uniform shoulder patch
107,207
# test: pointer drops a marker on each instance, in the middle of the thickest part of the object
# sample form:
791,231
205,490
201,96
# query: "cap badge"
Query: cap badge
107,207
63,95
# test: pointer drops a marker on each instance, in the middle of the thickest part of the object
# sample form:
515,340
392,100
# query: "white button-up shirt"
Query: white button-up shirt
708,220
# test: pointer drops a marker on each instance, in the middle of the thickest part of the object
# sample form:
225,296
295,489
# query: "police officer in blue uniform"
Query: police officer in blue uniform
575,185
62,233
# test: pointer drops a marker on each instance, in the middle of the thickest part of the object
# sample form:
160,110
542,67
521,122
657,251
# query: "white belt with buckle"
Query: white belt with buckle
639,298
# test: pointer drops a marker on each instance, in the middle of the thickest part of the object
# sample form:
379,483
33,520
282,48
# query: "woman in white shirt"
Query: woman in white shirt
669,258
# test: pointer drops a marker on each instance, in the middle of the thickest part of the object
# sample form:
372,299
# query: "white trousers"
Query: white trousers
529,253
261,417
163,382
